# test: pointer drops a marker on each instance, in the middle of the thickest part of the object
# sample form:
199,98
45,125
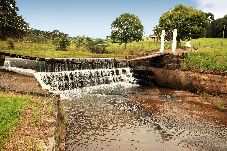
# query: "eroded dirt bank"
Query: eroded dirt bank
191,81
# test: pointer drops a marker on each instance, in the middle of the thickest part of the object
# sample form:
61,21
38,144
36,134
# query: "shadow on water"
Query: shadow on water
110,119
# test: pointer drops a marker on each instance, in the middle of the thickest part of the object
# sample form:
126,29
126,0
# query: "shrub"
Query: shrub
80,42
96,45
10,43
35,39
61,43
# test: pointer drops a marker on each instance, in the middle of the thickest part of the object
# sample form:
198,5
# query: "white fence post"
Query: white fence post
162,41
174,44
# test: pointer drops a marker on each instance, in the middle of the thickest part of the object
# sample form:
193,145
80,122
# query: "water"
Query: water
107,110
114,120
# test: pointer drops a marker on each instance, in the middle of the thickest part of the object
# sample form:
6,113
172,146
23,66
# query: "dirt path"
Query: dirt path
12,81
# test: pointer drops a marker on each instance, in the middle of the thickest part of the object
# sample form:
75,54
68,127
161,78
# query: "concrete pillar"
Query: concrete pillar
2,60
174,44
162,41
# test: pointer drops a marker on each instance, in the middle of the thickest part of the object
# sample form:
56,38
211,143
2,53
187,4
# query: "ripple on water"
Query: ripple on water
114,122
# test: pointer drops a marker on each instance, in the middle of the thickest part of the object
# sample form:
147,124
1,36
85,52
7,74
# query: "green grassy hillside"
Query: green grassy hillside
211,54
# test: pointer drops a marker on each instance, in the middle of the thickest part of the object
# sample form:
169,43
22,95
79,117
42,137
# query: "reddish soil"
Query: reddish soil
183,105
12,81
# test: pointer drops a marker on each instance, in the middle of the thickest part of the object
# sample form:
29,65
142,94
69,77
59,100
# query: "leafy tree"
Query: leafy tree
210,19
57,33
11,24
217,27
189,22
126,28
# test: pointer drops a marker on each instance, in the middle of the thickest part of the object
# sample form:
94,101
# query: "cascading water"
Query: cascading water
69,80
68,76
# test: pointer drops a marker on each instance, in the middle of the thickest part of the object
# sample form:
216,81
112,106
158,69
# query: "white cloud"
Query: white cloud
217,7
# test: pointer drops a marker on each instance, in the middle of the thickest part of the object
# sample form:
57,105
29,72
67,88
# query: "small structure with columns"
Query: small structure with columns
174,43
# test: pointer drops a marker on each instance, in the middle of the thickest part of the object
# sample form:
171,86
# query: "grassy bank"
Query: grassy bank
47,50
211,54
27,122
10,110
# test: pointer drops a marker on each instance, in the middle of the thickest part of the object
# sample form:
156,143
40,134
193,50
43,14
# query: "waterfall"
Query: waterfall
69,80
67,75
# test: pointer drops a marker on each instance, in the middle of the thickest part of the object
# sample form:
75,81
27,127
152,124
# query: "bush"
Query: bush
35,39
61,43
10,43
80,42
96,45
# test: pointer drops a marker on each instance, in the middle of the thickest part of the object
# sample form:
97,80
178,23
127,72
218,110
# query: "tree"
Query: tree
210,19
189,22
217,27
57,33
11,24
126,28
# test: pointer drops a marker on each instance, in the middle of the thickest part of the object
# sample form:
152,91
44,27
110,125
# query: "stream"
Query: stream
113,119
107,110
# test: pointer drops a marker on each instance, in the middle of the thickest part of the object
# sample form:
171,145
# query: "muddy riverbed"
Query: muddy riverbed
145,119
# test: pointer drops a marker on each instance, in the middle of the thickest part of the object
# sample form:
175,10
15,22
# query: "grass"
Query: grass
211,55
10,110
219,106
26,121
48,50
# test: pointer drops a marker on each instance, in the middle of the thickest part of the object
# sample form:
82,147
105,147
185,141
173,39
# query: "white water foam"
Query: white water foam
118,81
103,89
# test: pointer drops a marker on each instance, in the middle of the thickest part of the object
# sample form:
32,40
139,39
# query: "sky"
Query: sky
93,18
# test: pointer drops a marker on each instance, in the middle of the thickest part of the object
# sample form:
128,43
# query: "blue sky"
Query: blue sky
94,17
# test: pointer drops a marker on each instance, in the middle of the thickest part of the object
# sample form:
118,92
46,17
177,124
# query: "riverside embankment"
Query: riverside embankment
41,124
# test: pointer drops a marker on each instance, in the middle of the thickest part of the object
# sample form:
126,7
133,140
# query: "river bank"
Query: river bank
164,104
41,124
